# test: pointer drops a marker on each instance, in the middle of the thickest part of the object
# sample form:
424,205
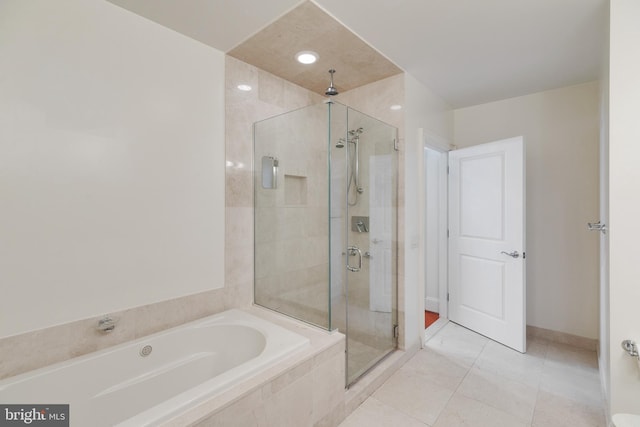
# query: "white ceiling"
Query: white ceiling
222,24
467,51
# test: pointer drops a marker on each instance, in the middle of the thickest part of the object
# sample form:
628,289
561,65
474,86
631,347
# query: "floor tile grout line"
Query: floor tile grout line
453,394
533,415
474,364
495,407
457,387
545,356
398,410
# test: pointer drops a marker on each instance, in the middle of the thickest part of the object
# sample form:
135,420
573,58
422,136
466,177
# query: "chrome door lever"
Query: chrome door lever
514,254
597,226
630,347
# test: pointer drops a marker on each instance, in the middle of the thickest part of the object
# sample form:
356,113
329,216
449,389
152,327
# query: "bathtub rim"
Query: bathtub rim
177,405
201,322
324,345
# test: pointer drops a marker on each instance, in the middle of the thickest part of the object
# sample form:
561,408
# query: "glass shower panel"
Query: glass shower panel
371,241
291,214
325,207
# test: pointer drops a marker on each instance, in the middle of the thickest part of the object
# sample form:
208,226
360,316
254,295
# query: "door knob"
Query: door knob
514,254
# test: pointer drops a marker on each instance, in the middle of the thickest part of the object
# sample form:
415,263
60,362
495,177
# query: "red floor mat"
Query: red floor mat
429,318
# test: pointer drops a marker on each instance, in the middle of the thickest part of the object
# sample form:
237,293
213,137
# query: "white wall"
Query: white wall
111,163
624,204
425,113
560,128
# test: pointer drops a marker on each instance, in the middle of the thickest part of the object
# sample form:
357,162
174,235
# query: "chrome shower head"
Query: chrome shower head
331,90
340,143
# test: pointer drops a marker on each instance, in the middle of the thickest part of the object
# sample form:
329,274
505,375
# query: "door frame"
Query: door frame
442,145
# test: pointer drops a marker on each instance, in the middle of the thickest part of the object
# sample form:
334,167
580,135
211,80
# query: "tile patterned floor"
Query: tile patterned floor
464,379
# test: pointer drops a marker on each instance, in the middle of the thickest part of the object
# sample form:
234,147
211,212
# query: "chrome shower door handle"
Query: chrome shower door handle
353,250
514,254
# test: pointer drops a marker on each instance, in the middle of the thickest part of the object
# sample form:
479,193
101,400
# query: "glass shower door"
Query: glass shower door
325,191
370,203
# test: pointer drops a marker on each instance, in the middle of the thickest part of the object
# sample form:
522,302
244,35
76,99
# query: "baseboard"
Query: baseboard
433,329
562,338
432,304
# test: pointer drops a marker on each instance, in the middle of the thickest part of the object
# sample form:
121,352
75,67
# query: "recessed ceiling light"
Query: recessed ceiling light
396,107
307,57
244,88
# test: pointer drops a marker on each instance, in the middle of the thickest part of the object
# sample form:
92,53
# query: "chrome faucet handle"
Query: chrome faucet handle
106,324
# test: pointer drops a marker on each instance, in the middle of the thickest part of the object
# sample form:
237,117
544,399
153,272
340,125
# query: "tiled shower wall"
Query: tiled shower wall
291,247
270,96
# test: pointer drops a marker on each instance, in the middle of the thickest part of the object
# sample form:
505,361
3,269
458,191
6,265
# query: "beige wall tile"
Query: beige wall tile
33,350
328,386
249,411
87,338
22,353
291,406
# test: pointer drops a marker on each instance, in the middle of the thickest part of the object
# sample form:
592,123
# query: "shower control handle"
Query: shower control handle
353,250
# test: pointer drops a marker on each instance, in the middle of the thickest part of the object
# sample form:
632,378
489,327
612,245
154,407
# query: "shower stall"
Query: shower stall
326,248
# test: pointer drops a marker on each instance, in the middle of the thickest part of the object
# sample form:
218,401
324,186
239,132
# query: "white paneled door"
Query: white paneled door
487,240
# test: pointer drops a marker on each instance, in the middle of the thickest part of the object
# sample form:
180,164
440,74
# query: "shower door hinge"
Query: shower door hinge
447,170
395,331
395,144
447,233
447,296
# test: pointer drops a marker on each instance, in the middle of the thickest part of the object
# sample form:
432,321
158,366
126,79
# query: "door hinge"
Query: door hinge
447,296
447,170
395,331
395,144
524,255
447,233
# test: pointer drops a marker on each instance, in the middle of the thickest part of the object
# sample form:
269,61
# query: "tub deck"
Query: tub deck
191,372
